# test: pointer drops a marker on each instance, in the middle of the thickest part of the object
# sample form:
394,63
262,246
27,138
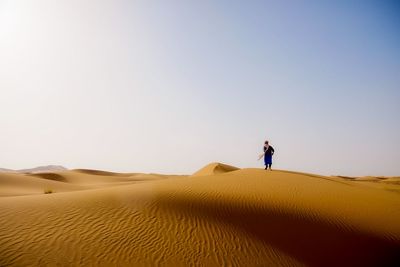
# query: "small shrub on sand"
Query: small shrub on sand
48,191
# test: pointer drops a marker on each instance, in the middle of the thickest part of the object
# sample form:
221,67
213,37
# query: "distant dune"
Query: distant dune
49,168
7,170
220,215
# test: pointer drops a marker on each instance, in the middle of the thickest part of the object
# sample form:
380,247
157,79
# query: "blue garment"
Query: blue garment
267,159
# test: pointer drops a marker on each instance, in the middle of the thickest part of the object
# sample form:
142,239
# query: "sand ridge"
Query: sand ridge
219,216
215,168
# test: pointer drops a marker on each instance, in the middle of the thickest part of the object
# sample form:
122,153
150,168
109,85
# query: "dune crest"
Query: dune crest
100,172
215,168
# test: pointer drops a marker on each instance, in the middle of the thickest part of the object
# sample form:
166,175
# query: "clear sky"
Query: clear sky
168,86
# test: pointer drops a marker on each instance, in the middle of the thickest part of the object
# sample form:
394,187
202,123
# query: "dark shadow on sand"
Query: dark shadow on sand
312,242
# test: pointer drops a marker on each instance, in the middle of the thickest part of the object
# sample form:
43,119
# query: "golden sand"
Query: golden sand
219,216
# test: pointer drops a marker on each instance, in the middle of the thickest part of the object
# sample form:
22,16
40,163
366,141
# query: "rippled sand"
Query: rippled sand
219,216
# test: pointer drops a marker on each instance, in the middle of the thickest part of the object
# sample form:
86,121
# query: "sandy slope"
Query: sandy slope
14,184
220,216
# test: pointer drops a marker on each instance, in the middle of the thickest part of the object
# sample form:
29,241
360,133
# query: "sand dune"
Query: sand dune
20,184
215,168
14,184
385,183
103,173
392,180
7,170
221,215
40,169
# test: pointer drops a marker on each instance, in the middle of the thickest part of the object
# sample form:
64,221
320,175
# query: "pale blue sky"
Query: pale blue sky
169,86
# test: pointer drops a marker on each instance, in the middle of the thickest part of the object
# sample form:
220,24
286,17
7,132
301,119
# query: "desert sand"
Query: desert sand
219,216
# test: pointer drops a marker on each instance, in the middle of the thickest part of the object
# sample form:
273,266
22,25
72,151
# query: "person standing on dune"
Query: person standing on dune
268,152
